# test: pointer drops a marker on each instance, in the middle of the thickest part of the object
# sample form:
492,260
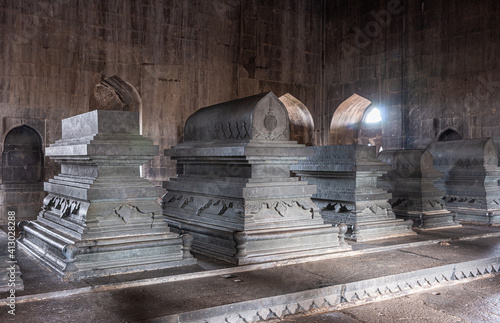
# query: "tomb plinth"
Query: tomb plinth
471,177
411,181
100,217
235,194
347,192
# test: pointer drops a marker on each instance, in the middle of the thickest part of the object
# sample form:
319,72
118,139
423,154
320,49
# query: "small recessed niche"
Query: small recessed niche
22,157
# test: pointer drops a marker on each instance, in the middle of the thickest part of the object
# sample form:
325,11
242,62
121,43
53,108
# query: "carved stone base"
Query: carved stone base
122,241
370,227
256,246
371,230
274,230
474,216
151,253
430,219
429,214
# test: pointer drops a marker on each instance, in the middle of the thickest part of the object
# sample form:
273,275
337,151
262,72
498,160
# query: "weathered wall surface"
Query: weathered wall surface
178,55
432,65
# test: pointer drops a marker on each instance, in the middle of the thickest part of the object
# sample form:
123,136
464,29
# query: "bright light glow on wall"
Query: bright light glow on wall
373,116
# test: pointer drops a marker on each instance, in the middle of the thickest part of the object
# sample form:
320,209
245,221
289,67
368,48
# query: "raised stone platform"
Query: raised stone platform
471,177
346,179
235,194
100,217
411,182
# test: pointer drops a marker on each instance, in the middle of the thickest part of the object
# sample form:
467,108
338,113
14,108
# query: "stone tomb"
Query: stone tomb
100,217
235,194
411,181
346,179
471,177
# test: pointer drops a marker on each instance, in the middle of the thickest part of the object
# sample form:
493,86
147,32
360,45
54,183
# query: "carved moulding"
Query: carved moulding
241,230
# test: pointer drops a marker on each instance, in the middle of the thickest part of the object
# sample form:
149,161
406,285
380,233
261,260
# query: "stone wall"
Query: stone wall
432,65
178,55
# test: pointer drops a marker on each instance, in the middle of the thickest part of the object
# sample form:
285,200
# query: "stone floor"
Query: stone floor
215,292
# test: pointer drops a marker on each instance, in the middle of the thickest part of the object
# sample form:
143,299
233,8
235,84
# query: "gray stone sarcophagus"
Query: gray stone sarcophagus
471,177
235,194
100,217
347,192
411,182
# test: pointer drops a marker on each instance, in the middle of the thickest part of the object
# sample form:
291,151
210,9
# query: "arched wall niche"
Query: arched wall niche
113,93
22,156
347,126
301,120
22,167
448,134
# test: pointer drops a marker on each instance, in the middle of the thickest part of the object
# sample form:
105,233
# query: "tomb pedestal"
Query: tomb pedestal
411,181
471,177
235,194
100,217
347,192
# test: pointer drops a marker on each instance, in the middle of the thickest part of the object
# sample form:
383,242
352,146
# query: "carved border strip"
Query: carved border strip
337,296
